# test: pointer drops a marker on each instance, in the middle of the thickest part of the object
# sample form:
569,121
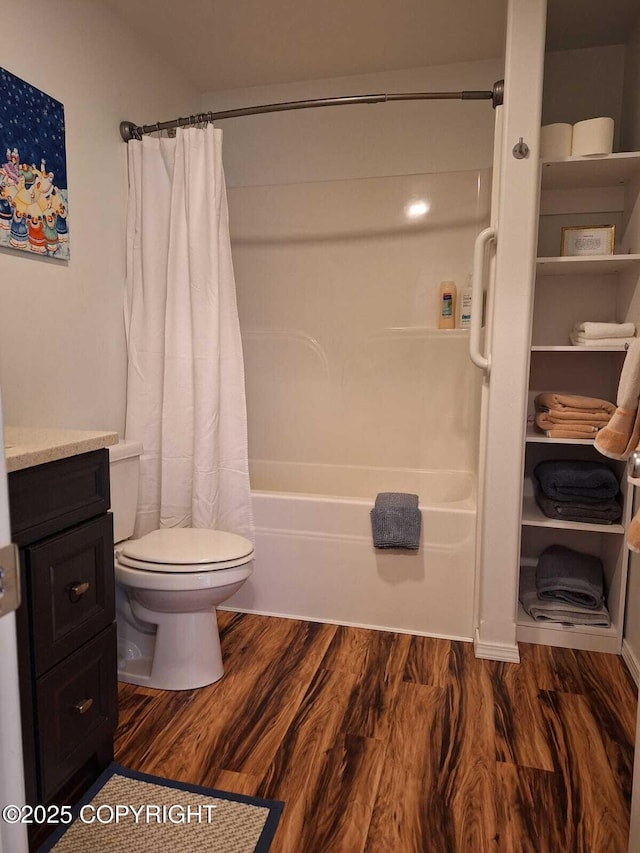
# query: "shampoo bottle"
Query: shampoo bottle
447,313
465,305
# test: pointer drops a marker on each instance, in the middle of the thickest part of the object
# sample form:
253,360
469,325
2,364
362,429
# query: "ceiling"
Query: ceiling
232,44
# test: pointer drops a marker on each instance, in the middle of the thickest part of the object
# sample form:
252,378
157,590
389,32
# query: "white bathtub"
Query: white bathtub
315,558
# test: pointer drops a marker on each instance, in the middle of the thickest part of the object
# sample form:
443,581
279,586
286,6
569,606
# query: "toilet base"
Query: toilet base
182,654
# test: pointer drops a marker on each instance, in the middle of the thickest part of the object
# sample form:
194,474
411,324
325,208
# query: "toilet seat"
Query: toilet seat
185,550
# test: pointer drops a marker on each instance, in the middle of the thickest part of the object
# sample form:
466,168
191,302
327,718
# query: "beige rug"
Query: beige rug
137,813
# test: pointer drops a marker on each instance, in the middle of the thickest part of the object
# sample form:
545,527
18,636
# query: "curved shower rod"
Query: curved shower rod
129,130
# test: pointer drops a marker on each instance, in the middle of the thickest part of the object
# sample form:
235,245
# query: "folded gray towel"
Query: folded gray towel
396,521
396,500
557,611
563,574
603,512
565,479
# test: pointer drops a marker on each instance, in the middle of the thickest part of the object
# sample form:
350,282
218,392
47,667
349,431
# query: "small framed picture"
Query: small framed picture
577,241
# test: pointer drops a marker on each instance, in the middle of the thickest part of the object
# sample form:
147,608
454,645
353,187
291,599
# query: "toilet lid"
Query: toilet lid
187,547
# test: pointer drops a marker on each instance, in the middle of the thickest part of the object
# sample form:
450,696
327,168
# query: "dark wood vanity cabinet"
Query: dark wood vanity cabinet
60,519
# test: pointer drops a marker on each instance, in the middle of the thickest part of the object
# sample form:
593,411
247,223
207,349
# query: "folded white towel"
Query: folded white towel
581,341
605,330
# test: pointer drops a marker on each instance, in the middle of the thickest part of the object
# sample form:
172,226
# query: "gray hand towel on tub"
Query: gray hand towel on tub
563,574
396,521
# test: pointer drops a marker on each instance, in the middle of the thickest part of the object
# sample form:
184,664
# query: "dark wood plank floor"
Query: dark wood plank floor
388,743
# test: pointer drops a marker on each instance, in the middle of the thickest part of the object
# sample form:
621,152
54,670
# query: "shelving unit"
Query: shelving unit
570,290
572,348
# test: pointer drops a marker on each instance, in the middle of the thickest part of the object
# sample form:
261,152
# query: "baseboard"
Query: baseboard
387,628
632,662
496,651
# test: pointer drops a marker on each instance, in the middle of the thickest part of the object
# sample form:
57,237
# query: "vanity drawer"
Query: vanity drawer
72,589
49,498
77,702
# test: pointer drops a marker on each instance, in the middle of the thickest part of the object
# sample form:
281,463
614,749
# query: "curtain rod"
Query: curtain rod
129,130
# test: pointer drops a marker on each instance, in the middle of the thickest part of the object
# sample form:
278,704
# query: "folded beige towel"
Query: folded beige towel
582,341
605,330
572,402
584,427
550,417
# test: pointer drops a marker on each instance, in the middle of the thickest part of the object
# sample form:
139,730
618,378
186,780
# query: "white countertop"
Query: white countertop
28,446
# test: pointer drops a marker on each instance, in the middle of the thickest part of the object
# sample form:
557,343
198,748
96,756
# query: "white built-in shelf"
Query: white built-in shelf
587,265
572,348
525,619
600,171
532,516
536,437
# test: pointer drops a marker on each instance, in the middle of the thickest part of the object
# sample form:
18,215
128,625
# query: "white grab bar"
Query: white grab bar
477,356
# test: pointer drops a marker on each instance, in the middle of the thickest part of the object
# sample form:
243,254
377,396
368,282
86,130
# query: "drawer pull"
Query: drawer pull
83,706
77,590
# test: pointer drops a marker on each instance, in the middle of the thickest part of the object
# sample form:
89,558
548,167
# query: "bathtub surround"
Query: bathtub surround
185,396
351,389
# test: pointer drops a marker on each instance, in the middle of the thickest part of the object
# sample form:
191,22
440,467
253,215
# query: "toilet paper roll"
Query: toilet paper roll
593,136
555,141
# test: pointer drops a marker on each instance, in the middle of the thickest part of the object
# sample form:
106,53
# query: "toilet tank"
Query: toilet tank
124,470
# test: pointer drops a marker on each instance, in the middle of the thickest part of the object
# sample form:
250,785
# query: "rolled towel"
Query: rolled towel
563,574
603,512
557,611
581,341
396,521
605,330
566,479
572,402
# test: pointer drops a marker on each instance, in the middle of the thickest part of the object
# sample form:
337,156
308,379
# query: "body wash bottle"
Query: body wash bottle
447,312
464,321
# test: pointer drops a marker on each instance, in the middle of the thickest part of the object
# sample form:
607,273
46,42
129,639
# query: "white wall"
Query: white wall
582,84
62,348
370,140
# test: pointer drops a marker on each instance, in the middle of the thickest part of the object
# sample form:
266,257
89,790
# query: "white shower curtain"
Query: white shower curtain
185,394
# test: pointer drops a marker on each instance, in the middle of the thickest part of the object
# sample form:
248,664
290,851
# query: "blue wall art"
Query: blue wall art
34,205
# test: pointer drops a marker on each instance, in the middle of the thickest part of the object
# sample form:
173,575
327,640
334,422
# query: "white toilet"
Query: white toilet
168,584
